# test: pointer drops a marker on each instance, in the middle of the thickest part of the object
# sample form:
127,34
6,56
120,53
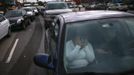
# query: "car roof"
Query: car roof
91,15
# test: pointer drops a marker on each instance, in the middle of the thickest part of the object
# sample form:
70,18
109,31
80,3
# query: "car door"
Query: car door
3,26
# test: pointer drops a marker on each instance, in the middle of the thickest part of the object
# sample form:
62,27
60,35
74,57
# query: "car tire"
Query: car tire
32,19
9,32
24,25
29,21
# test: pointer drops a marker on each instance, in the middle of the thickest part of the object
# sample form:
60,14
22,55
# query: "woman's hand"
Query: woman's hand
81,42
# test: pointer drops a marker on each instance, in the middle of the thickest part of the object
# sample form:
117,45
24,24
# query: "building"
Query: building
6,5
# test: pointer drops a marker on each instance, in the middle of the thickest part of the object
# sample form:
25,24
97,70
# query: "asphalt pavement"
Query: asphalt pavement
17,51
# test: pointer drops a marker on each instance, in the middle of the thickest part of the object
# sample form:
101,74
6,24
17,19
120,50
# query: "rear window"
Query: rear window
51,6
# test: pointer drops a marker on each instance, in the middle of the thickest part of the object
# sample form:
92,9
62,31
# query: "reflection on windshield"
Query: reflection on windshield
56,6
102,46
13,14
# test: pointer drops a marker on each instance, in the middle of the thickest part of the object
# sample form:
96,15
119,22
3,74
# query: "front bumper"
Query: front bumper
16,25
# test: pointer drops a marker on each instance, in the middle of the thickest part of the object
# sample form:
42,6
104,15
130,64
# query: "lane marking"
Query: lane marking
12,51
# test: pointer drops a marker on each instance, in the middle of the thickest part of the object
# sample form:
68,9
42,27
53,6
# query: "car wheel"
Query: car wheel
32,19
29,21
23,25
9,32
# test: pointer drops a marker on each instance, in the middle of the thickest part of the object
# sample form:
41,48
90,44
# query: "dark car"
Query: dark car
18,18
109,41
41,10
29,12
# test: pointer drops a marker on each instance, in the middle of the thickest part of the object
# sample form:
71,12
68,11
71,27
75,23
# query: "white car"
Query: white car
4,27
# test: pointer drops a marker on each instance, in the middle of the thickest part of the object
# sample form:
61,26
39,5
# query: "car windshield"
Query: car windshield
100,46
13,14
51,6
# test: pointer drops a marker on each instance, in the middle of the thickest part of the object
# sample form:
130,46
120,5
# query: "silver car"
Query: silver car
4,27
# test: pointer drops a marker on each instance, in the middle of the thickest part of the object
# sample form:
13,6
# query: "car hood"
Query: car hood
13,20
57,11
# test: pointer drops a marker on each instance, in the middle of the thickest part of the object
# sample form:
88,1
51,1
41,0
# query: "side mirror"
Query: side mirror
43,60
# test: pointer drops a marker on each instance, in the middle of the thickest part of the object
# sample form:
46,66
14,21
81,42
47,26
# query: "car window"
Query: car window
13,14
51,38
1,18
53,34
51,6
55,30
100,46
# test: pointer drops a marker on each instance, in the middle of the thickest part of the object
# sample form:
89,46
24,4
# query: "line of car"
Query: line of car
21,18
16,19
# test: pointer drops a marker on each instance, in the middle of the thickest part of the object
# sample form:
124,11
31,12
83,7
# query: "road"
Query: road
17,51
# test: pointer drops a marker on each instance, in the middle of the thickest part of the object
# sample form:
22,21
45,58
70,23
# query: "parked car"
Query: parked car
71,5
109,40
35,10
90,7
5,29
18,19
131,7
118,6
30,12
53,9
41,10
99,6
